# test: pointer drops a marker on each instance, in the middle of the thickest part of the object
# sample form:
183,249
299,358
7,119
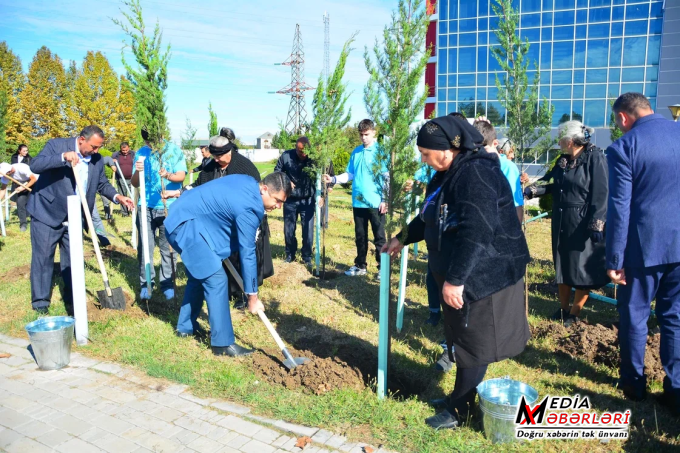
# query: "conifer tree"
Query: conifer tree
44,99
187,142
394,99
12,82
213,128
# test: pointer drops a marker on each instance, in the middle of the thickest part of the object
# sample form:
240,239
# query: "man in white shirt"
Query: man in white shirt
23,174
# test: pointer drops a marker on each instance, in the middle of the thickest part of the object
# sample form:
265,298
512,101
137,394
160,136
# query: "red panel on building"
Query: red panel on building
431,38
429,108
431,6
431,78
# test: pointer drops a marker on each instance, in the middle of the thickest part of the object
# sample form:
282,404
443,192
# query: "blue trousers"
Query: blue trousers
215,290
634,303
432,292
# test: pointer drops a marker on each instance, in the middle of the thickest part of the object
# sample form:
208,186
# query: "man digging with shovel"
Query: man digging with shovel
205,226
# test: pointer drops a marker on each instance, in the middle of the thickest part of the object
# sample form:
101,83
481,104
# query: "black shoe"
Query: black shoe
439,403
307,261
103,241
233,350
198,332
289,259
636,392
434,318
240,304
444,364
443,420
571,319
670,398
41,310
22,228
560,314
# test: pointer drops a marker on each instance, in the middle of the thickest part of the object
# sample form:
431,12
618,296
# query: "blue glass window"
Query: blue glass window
596,91
635,87
482,53
634,75
580,55
547,19
453,81
561,77
441,108
545,76
493,92
581,16
484,9
450,107
530,20
619,2
493,23
453,9
547,5
594,3
600,14
468,39
533,55
561,92
453,26
466,94
654,49
634,51
613,90
578,92
531,6
655,26
443,27
596,76
452,94
650,89
441,81
577,109
657,10
579,76
636,27
561,108
639,11
466,80
532,34
468,25
467,61
546,34
441,62
544,91
581,3
598,31
546,55
564,33
444,8
441,94
617,29
453,60
595,113
453,40
563,54
564,4
499,120
481,79
493,39
581,32
615,52
493,63
617,13
481,94
564,18
443,41
652,101
652,74
482,24
468,8
597,53
615,75
483,38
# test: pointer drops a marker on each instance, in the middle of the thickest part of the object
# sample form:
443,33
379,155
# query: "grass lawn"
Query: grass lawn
336,320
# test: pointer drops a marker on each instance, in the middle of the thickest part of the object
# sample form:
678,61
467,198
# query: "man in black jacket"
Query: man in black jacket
295,163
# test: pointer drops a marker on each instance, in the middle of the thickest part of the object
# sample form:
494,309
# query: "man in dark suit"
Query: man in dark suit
47,205
206,225
643,240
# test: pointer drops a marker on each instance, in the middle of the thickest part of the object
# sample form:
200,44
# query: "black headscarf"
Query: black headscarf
449,132
219,150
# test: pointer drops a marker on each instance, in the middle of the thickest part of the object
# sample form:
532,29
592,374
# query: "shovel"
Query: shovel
290,362
111,297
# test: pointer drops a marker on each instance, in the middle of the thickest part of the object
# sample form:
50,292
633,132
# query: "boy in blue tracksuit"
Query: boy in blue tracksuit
368,196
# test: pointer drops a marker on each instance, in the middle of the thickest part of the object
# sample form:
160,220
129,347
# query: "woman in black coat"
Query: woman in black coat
477,254
579,189
227,161
21,156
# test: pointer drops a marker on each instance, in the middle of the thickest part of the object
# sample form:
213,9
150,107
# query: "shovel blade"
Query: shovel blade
290,364
115,302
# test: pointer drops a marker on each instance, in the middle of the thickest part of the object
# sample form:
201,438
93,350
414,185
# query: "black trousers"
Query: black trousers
122,191
362,217
21,199
44,240
304,208
462,399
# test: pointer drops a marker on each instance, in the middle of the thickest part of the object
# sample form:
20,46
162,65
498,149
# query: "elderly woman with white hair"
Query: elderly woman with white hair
579,189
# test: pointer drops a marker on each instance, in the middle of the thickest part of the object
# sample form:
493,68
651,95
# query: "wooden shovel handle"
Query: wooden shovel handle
20,183
93,234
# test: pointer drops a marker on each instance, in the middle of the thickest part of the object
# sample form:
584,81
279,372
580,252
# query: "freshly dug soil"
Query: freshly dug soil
598,344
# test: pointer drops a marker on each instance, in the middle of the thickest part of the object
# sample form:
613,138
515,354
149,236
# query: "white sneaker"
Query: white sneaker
354,271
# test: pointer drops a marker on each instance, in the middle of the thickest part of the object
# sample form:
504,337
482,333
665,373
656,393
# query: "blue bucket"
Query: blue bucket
498,400
51,339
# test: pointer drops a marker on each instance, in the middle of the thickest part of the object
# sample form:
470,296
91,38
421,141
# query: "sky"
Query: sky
223,52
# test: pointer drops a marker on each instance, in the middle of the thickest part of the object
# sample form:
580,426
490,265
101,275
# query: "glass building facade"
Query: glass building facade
585,53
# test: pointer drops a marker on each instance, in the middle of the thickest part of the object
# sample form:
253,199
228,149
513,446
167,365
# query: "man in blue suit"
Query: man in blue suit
206,225
643,240
47,205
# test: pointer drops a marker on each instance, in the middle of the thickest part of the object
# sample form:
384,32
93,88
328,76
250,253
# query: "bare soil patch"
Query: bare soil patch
16,273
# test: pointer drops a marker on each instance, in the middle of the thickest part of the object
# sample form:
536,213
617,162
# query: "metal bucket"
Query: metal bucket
498,400
51,340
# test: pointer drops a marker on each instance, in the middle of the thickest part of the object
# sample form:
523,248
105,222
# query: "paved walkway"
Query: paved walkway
93,406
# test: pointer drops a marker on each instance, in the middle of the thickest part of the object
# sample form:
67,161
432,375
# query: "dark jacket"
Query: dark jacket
643,220
239,165
204,162
15,159
482,245
47,203
298,172
579,192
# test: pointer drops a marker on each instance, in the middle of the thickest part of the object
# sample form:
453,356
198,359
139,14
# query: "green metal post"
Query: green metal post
383,331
